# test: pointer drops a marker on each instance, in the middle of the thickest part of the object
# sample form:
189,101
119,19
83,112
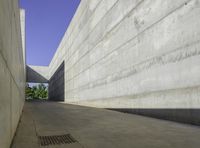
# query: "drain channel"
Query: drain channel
56,140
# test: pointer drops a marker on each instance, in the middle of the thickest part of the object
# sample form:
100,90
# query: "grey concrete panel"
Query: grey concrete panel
37,74
56,85
23,33
12,70
5,105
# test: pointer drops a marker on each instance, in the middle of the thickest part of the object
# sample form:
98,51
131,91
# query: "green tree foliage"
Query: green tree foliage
36,92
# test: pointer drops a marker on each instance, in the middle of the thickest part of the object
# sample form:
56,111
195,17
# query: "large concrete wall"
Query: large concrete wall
12,69
134,55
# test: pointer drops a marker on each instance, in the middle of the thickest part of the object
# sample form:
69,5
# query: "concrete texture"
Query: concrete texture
37,74
23,33
127,56
133,54
12,69
56,85
100,128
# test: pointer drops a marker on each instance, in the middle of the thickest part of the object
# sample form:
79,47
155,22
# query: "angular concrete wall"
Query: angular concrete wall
37,74
134,55
56,85
12,72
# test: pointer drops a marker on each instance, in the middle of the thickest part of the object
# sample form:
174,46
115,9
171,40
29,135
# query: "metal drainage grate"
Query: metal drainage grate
56,140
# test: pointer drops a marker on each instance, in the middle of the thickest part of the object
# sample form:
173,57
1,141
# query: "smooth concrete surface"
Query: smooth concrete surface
12,69
23,32
37,74
56,86
132,54
133,50
100,128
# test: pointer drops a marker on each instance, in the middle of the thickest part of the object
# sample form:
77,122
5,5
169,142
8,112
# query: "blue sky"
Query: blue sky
46,23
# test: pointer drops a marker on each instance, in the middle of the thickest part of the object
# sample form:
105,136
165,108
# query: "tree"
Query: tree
37,92
29,92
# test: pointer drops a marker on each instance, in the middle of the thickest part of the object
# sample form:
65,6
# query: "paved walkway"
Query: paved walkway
100,128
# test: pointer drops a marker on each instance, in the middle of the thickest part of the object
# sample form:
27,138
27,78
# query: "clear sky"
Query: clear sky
46,23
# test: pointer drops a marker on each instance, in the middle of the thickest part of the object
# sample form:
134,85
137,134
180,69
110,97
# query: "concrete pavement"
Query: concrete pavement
100,128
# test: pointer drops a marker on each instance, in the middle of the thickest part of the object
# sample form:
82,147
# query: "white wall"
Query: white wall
132,54
12,72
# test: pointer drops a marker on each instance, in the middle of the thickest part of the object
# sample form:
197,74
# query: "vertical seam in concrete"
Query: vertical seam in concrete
10,107
10,73
1,52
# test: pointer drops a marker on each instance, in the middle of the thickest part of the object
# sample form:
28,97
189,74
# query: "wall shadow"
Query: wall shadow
56,84
34,77
189,116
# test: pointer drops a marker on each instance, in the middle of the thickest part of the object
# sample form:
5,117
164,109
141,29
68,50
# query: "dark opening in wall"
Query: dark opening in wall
56,84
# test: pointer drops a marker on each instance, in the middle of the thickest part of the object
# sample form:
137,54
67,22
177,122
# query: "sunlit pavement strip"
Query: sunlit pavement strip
100,128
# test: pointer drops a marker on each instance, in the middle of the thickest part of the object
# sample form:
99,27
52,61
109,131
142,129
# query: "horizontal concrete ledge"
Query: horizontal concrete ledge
181,104
189,116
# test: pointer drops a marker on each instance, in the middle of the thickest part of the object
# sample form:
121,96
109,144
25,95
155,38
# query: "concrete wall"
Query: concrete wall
134,54
56,85
23,34
37,74
12,72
